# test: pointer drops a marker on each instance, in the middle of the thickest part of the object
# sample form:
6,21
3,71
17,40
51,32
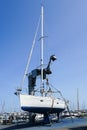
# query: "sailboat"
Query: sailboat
45,103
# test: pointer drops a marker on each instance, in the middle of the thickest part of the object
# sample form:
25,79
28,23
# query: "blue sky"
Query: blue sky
66,27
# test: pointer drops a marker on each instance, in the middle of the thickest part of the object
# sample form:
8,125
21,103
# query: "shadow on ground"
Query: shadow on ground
22,126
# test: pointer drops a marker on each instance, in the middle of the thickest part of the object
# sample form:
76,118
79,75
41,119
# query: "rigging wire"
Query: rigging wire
30,54
64,101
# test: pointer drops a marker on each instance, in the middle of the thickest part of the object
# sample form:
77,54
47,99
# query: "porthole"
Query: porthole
41,100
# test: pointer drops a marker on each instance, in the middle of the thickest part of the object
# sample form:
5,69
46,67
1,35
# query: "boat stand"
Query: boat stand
32,117
46,118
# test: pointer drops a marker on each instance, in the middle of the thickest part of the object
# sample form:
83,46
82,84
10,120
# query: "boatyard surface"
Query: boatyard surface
65,124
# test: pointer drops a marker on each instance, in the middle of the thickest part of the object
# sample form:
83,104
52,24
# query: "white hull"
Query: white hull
38,104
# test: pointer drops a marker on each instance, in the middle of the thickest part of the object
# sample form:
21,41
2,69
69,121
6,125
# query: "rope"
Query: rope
29,57
64,102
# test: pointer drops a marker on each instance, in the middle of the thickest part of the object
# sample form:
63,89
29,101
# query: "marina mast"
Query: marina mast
77,99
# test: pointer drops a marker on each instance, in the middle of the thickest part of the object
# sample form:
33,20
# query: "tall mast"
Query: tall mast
42,38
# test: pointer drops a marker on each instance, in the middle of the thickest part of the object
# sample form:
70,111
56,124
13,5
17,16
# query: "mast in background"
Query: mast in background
77,99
